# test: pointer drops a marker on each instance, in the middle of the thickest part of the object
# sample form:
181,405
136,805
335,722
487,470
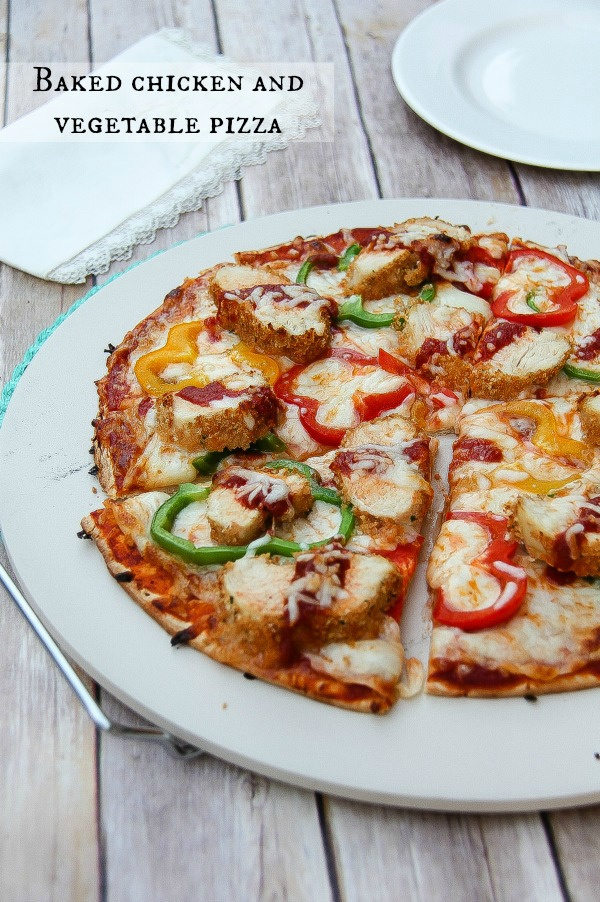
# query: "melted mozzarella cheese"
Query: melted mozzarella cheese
161,464
321,465
326,282
213,367
420,229
280,308
441,322
386,305
368,662
192,524
451,566
490,499
367,341
321,522
292,432
450,296
318,380
493,245
134,516
532,274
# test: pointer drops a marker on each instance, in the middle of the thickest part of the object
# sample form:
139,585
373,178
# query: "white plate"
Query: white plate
454,754
518,79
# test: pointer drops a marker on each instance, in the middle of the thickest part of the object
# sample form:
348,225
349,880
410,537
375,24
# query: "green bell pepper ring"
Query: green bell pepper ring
269,442
427,292
348,256
207,462
354,310
164,518
304,272
576,372
319,492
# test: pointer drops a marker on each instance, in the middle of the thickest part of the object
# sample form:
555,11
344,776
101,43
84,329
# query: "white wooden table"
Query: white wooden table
84,817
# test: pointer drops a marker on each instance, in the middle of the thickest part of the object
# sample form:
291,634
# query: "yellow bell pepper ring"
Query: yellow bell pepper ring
269,368
542,486
545,435
181,347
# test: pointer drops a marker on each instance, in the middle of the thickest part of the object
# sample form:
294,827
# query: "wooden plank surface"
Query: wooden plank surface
567,192
411,158
204,829
309,173
437,856
48,832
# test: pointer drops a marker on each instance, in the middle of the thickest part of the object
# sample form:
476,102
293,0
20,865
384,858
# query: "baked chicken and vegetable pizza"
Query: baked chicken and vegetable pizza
266,440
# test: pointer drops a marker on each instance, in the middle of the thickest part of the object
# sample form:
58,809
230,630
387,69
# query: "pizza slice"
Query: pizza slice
266,569
176,385
507,619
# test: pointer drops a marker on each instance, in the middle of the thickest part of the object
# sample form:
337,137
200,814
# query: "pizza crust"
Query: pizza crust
159,590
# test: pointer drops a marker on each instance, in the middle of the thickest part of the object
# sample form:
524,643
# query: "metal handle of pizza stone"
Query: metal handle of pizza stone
176,747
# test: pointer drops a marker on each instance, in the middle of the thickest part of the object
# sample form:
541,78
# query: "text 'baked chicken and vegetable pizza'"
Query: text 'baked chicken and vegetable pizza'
266,440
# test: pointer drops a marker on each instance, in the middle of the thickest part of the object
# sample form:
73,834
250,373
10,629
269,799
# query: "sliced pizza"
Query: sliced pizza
267,568
510,614
286,403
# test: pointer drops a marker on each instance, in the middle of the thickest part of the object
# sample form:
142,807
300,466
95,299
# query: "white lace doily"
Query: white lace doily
116,240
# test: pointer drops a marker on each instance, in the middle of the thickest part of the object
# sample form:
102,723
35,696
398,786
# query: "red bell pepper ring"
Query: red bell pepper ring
497,561
405,558
438,394
367,406
563,298
478,254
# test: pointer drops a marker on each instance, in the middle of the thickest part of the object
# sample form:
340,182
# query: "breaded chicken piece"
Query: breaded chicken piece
440,341
403,258
379,272
512,356
563,531
243,500
214,417
392,429
324,596
337,595
254,592
386,487
272,315
589,413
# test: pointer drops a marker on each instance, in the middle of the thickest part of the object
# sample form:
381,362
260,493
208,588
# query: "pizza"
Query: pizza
267,441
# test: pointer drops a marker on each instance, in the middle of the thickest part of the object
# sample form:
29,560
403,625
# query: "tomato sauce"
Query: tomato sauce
499,337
